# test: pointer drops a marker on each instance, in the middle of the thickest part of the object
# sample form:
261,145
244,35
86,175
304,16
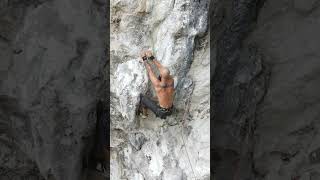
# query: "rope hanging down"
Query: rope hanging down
182,127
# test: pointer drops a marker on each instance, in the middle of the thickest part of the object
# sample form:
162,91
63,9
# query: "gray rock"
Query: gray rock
281,128
304,5
177,33
130,80
137,140
51,76
172,174
287,122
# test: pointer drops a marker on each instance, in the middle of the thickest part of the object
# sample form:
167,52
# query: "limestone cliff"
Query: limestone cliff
178,147
266,88
51,74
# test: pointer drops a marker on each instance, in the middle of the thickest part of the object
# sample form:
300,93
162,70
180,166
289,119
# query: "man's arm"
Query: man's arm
149,55
152,76
157,63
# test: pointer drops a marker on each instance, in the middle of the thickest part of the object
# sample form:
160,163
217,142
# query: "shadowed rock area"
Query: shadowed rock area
266,89
51,75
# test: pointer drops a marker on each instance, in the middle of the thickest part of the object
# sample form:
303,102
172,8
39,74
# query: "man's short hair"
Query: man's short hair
165,72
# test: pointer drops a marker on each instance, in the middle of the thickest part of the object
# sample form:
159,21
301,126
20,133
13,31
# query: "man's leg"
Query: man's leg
148,103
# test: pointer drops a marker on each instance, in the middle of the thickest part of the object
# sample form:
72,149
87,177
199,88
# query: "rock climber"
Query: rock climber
163,85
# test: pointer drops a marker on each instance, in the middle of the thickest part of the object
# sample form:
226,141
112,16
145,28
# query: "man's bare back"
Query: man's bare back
164,85
165,92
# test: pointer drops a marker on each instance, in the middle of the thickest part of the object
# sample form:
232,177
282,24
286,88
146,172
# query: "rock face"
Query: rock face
129,82
265,84
267,54
52,59
288,118
176,148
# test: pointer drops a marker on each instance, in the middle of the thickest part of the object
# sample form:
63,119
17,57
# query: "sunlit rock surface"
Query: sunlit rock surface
177,32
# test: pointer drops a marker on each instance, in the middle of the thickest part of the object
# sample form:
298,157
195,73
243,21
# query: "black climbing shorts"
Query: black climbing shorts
154,107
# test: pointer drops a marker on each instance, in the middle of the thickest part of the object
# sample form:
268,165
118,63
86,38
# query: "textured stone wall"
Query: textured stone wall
288,119
264,82
52,59
151,148
267,54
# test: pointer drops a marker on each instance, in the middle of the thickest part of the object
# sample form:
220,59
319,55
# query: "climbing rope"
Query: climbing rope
182,127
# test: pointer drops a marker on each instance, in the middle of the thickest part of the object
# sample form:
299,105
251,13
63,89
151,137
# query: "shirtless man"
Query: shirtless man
163,85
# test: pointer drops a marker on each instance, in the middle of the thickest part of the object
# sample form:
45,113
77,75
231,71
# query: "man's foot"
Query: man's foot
144,116
144,113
